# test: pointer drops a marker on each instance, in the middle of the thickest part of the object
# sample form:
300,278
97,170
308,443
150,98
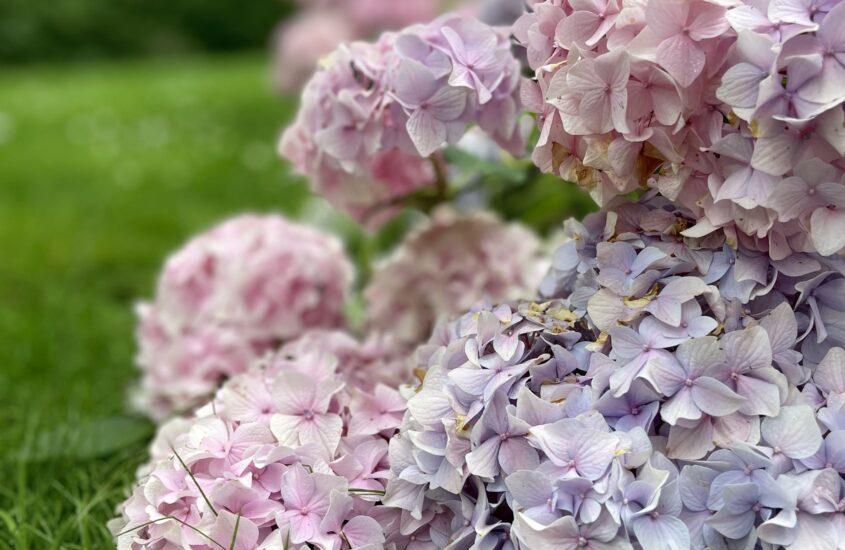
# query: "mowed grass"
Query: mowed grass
103,170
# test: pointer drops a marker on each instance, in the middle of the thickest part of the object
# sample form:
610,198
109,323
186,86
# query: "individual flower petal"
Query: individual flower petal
794,432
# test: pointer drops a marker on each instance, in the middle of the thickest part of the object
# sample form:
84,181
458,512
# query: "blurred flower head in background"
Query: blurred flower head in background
323,25
445,267
230,294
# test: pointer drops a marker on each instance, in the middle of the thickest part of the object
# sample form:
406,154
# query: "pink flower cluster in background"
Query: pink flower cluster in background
732,110
323,25
378,358
373,113
229,295
443,268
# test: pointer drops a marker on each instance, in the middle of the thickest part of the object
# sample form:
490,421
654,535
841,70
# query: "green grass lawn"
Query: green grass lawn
103,170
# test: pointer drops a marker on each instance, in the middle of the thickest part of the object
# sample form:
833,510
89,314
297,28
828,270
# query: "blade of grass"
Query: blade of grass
182,462
235,533
166,518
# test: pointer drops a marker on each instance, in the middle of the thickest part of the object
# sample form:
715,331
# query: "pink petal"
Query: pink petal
362,531
427,133
577,28
223,531
708,21
682,58
666,17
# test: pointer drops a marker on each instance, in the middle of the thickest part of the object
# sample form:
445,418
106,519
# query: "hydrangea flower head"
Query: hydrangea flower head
733,110
655,398
293,475
374,113
229,295
445,267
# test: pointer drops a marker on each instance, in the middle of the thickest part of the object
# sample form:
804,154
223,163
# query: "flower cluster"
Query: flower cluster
229,295
732,109
679,381
445,267
656,398
285,456
373,113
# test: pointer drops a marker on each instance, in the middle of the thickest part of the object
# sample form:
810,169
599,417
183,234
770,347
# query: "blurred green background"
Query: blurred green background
79,30
125,127
104,168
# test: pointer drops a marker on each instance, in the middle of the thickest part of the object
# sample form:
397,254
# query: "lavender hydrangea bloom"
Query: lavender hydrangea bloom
662,430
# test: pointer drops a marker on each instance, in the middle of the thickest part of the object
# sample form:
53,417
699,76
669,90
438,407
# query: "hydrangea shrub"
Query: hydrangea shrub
677,378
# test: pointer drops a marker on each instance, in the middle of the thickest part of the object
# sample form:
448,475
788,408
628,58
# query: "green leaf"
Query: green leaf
88,439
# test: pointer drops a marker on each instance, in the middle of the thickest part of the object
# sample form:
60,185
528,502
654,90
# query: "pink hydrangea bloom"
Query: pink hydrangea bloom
370,16
376,15
374,112
223,479
300,43
447,266
227,296
182,368
715,105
